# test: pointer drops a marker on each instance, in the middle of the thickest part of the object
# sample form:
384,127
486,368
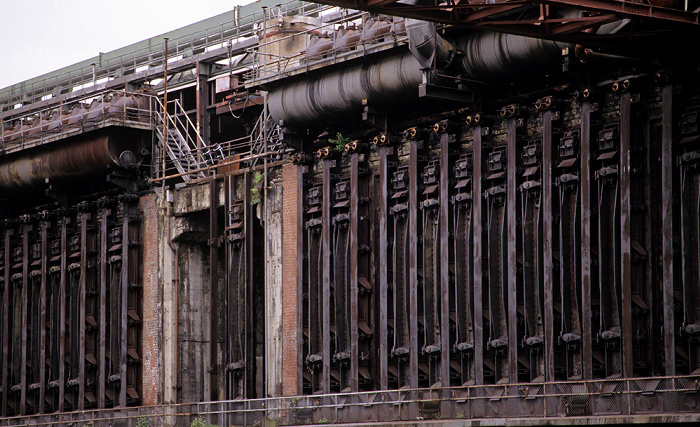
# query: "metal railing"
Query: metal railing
667,398
133,109
181,141
340,35
204,36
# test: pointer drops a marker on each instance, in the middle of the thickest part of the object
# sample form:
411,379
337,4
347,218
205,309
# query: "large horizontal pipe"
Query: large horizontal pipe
343,91
495,56
488,57
80,157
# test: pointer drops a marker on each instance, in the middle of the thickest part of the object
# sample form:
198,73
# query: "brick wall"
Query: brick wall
290,322
151,301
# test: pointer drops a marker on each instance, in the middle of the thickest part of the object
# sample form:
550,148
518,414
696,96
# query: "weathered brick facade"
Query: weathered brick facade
290,317
151,301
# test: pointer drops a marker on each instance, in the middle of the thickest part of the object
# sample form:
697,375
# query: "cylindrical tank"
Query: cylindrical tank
283,42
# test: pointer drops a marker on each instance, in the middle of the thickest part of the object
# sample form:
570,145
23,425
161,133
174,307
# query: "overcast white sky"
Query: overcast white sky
39,36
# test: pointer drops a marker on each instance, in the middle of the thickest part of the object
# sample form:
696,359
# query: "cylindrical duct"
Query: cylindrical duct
488,57
498,55
343,91
74,159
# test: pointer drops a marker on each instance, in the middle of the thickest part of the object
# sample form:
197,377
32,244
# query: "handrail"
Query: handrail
239,24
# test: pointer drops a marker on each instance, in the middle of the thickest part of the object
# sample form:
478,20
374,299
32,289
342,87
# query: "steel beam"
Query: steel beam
42,316
248,348
24,324
6,319
628,9
585,179
511,251
413,262
625,243
214,243
382,273
477,198
81,309
326,276
354,356
102,322
62,317
123,304
667,267
444,260
547,247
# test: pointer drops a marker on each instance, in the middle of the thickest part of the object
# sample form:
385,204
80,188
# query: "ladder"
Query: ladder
182,150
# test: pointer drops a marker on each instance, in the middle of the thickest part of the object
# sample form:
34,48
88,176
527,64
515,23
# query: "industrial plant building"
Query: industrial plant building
449,213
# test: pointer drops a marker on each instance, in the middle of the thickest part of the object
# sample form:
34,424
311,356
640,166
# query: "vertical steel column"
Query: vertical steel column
248,325
354,356
123,303
6,321
444,261
228,300
102,375
669,338
25,315
42,316
625,244
300,279
326,285
382,273
81,308
585,152
62,317
511,268
214,283
413,262
548,262
478,261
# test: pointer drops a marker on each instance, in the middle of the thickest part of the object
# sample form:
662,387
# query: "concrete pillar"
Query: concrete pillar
274,291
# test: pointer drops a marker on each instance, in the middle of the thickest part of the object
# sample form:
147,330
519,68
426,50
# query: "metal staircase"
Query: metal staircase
257,138
182,150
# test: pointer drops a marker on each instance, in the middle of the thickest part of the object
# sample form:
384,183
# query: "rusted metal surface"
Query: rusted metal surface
326,277
477,163
547,243
413,264
586,228
382,273
7,234
625,243
510,235
214,243
667,229
81,157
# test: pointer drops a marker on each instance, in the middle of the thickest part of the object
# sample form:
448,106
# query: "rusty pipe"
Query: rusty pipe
78,158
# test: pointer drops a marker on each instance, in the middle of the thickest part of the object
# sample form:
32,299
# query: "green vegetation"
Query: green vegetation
339,141
254,193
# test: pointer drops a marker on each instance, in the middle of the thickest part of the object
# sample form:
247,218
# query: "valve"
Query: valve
509,111
582,95
621,86
324,152
410,133
473,120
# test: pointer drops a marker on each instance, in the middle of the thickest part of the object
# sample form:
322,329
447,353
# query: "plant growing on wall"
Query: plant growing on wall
339,142
255,191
